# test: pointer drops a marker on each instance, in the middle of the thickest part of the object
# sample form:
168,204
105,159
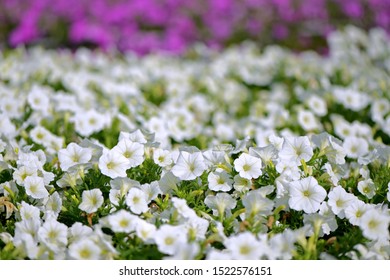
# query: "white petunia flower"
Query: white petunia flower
91,200
375,224
283,245
85,249
22,173
214,254
168,182
187,251
162,157
122,221
220,203
145,231
7,128
135,136
306,194
355,211
40,135
26,229
53,234
295,149
72,155
244,246
79,231
133,151
241,184
248,166
35,159
53,206
27,212
355,146
38,98
351,99
120,188
219,181
182,208
367,188
317,105
256,202
88,122
113,164
307,120
196,228
215,158
189,165
170,238
151,190
35,187
137,201
339,200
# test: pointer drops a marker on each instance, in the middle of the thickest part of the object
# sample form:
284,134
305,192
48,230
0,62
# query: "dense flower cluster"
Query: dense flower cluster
244,154
174,25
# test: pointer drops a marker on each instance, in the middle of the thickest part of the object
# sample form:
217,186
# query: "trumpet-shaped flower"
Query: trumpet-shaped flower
182,208
306,194
355,211
120,188
244,246
196,227
355,146
85,249
189,165
122,221
145,230
35,187
88,122
133,151
135,136
170,238
137,201
72,155
187,251
220,203
27,211
339,200
162,157
38,98
248,166
317,105
295,149
256,203
241,184
26,229
307,120
22,173
53,206
91,200
113,164
367,188
53,234
220,181
375,224
151,190
78,231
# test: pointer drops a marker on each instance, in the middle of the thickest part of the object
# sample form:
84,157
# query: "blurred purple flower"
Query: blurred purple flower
174,25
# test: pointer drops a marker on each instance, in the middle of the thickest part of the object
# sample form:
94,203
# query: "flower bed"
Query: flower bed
242,154
173,26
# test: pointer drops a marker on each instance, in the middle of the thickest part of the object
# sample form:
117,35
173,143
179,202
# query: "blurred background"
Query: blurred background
173,26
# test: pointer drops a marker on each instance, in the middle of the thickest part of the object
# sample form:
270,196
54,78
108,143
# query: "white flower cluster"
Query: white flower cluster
101,155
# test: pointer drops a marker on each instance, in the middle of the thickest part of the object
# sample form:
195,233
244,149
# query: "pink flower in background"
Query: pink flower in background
146,26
